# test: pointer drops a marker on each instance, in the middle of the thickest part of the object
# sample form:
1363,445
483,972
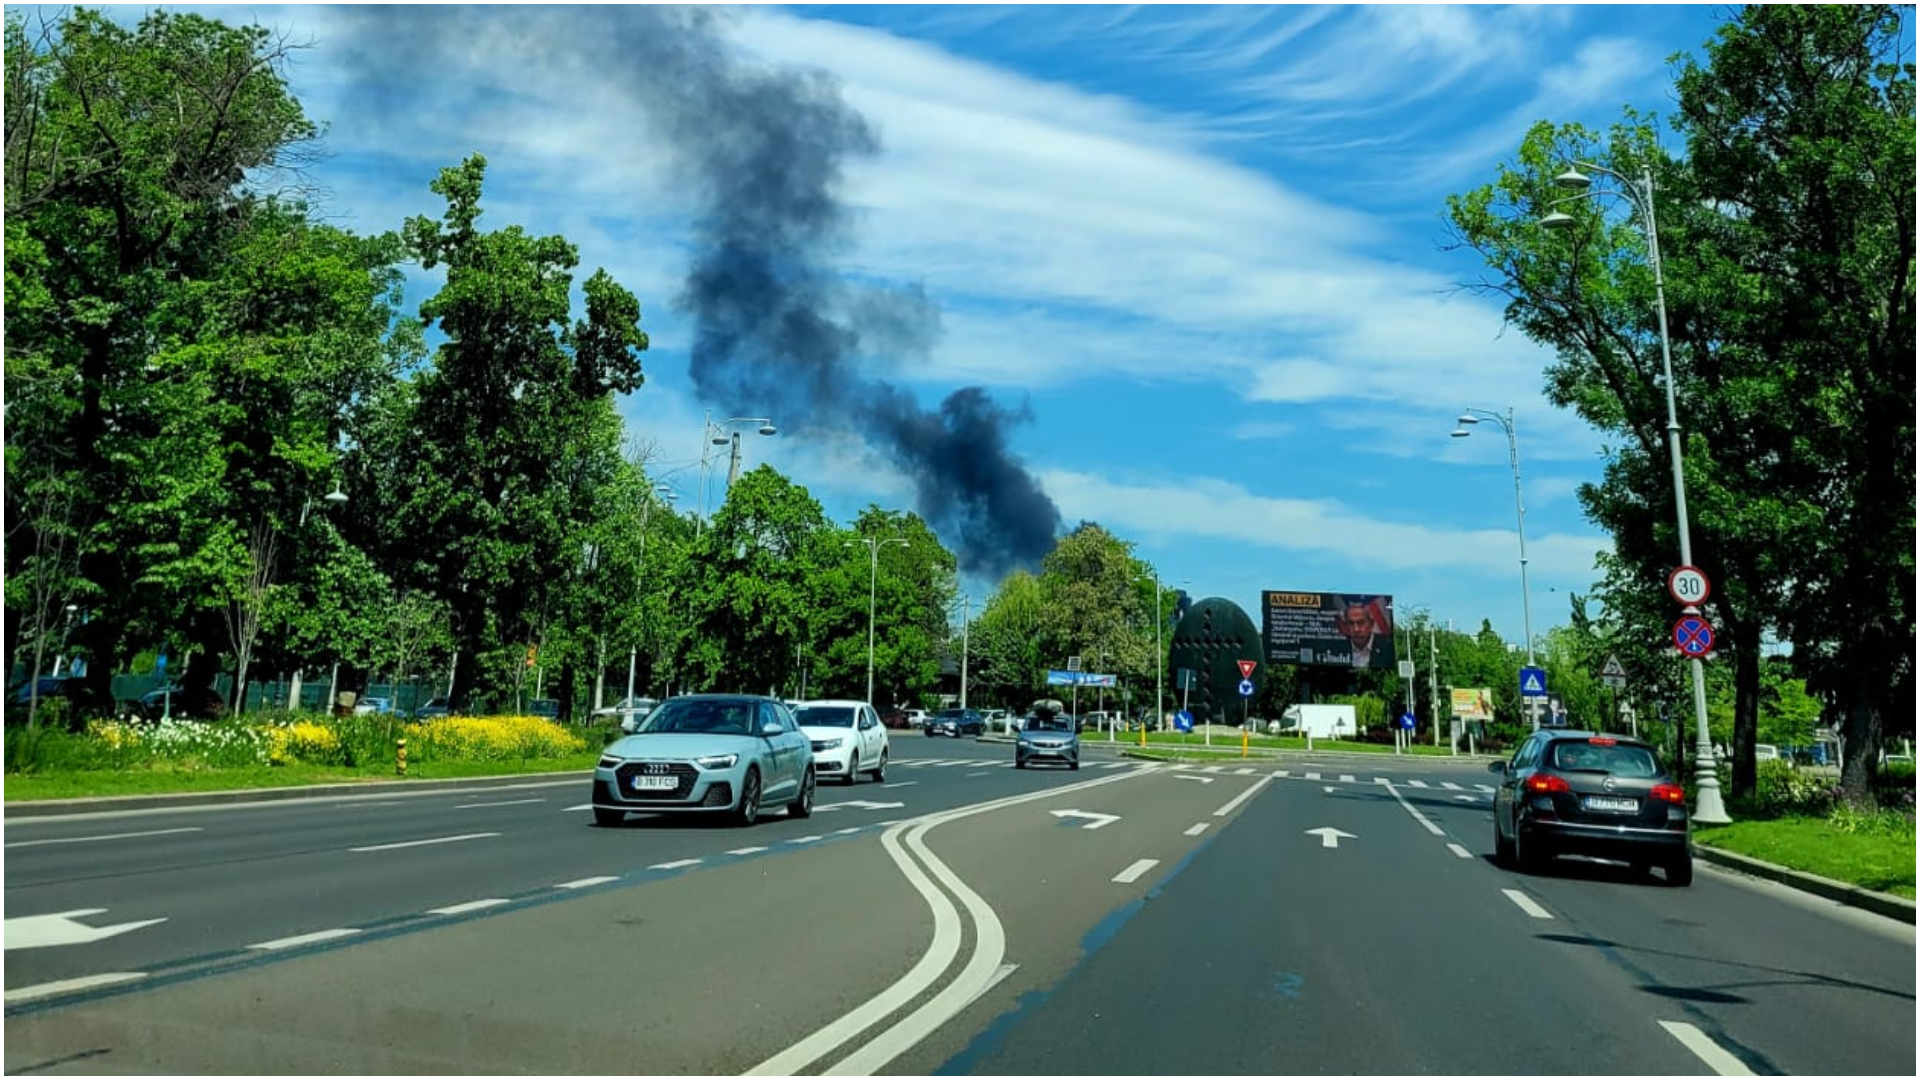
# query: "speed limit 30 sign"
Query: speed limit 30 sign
1688,586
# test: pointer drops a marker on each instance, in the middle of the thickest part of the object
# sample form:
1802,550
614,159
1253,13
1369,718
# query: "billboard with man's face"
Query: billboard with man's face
1315,629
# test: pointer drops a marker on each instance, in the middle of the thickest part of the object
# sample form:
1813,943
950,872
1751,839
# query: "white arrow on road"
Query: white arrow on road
37,931
1094,821
859,804
1329,836
1202,779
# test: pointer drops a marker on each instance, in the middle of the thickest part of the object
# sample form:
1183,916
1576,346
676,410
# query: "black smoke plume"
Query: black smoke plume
777,330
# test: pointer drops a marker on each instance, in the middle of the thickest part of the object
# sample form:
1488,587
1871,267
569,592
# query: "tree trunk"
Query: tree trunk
1746,708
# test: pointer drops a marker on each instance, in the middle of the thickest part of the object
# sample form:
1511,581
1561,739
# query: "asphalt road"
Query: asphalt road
1122,919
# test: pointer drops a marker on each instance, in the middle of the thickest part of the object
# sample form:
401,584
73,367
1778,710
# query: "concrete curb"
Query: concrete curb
56,807
1893,907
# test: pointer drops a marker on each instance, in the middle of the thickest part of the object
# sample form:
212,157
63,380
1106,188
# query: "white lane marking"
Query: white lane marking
1198,829
462,909
419,843
950,764
1313,776
306,939
1483,789
1328,790
1181,766
585,882
675,864
1416,783
1213,768
1706,1049
1466,798
1526,903
109,836
1451,786
848,831
1460,851
1195,779
68,986
1252,790
1383,780
982,772
1346,778
64,928
1132,873
989,939
509,802
1411,809
582,806
1243,772
900,783
804,840
1101,765
1282,773
747,850
999,976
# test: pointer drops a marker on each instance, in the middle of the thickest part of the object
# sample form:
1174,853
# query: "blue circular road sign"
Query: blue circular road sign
1693,636
1246,687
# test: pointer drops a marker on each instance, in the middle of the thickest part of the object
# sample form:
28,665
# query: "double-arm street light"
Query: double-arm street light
873,579
1468,418
1708,807
716,433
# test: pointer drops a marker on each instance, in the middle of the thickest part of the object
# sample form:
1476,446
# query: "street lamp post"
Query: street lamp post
646,512
1469,417
333,498
1708,807
873,580
966,633
1159,665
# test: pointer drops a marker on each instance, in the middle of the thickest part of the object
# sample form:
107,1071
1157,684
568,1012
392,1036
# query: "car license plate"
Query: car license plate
1606,802
655,783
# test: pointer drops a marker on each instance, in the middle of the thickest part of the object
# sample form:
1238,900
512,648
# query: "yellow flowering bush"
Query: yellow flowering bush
491,738
304,740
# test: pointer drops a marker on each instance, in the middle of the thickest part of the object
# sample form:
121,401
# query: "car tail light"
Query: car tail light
1672,793
1543,784
1603,742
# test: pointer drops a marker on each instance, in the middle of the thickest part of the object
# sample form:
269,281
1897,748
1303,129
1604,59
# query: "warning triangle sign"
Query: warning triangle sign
1246,668
1612,667
1532,683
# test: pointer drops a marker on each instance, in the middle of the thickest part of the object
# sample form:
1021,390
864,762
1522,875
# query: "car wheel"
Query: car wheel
1502,847
1524,857
1019,763
853,769
748,812
1680,871
1074,765
880,770
802,807
608,819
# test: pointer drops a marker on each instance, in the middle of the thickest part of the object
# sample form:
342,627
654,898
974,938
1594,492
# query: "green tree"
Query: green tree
485,495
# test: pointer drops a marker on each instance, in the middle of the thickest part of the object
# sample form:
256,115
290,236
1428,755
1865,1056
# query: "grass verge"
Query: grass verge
161,780
1881,861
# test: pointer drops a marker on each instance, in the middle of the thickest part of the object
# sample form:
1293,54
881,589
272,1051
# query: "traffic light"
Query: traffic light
532,652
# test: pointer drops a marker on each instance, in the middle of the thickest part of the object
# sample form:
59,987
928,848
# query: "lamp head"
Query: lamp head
336,496
1572,180
1558,221
769,429
1461,433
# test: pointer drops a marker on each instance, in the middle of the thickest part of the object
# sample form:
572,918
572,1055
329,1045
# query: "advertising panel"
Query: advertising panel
1350,630
1473,703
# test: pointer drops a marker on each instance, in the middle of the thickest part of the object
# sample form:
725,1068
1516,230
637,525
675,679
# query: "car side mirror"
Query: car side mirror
1497,766
771,728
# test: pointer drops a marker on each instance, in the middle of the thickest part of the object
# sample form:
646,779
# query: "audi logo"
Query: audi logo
655,767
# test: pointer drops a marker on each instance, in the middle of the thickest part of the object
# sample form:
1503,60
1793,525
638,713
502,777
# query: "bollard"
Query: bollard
1243,740
401,758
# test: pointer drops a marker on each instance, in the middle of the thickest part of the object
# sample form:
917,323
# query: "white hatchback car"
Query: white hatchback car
848,738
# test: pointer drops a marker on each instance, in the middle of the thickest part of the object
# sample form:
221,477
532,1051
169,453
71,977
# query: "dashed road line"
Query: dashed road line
747,851
471,905
1313,776
1417,783
305,939
1704,1048
1243,772
1451,786
1196,830
805,839
1282,773
676,864
899,783
109,836
1346,778
1526,904
1415,811
421,843
68,986
1132,873
585,882
509,802
1460,851
1251,791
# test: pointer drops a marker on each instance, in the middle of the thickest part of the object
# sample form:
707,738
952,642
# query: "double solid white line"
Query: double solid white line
905,843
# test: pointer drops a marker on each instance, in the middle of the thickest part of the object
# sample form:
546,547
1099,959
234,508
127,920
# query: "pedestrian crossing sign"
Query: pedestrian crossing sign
1533,682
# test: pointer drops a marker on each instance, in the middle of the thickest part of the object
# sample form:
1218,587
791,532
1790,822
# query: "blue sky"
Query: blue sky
1201,246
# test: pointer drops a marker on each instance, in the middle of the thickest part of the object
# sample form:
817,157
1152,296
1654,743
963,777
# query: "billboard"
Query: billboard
1473,703
1350,630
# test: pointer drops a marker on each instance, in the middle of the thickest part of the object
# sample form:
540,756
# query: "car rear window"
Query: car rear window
1626,761
825,716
